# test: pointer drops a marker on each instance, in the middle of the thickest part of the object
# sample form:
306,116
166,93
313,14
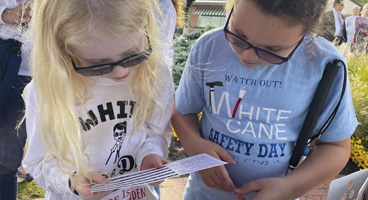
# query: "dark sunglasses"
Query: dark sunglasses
101,69
263,54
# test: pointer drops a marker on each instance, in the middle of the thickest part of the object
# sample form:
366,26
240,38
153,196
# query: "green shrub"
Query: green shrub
358,74
182,46
29,190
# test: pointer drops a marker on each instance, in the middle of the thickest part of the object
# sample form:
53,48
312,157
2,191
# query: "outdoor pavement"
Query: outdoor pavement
173,189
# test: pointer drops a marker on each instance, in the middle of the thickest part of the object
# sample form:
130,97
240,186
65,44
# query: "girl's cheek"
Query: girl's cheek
236,49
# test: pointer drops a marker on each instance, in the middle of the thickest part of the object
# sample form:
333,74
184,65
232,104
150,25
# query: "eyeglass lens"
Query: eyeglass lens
134,60
245,45
104,69
101,70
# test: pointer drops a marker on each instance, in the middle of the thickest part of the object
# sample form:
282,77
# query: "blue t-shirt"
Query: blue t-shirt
256,114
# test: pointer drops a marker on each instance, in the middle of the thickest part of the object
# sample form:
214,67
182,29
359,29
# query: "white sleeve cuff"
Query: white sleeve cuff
2,8
145,151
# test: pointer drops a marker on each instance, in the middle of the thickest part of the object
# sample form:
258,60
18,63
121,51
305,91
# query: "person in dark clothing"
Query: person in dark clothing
14,76
333,24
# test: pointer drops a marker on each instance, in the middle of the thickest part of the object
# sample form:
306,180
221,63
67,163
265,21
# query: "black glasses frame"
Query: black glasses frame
101,69
263,54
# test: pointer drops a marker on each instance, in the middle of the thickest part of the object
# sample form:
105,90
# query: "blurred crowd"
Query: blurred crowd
350,30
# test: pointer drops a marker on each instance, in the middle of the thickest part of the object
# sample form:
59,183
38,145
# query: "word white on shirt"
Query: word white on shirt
125,111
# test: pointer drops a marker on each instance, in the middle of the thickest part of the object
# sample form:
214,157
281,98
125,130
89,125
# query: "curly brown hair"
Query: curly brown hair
305,12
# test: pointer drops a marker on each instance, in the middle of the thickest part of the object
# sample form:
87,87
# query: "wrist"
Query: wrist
296,188
191,144
70,185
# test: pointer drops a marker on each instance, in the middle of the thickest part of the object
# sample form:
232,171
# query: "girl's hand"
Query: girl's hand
268,188
187,128
82,186
153,161
216,177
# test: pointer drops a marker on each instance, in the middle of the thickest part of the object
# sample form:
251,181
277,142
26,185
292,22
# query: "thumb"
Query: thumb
225,156
98,178
240,197
164,161
159,162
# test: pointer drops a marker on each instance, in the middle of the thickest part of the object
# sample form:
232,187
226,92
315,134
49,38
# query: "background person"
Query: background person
14,76
360,40
173,15
333,25
350,28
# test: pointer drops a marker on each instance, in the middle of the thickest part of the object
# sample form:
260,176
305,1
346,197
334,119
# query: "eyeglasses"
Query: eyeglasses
101,69
263,54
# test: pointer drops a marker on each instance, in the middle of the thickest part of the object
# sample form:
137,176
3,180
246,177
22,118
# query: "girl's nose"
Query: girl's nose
250,55
120,70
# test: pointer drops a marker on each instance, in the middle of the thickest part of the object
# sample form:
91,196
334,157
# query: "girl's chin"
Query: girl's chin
120,78
249,65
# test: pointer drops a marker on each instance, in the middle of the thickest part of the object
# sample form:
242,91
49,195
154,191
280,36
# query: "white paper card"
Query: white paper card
170,170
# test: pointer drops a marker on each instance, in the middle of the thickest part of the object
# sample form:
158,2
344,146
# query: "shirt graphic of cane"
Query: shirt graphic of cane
241,95
211,93
119,135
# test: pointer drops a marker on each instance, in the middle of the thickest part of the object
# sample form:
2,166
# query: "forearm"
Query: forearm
322,165
159,128
156,144
48,176
187,129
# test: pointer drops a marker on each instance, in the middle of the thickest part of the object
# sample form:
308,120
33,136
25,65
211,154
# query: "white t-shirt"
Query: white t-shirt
110,145
350,29
339,23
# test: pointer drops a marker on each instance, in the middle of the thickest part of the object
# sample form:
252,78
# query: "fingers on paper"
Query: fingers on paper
218,178
225,156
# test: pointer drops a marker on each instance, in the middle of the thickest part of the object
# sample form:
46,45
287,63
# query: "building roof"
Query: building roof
209,2
210,12
358,3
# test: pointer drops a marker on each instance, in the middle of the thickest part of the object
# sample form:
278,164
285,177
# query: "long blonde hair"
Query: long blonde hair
58,27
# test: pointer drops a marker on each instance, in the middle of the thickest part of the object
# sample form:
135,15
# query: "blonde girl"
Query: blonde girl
95,105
